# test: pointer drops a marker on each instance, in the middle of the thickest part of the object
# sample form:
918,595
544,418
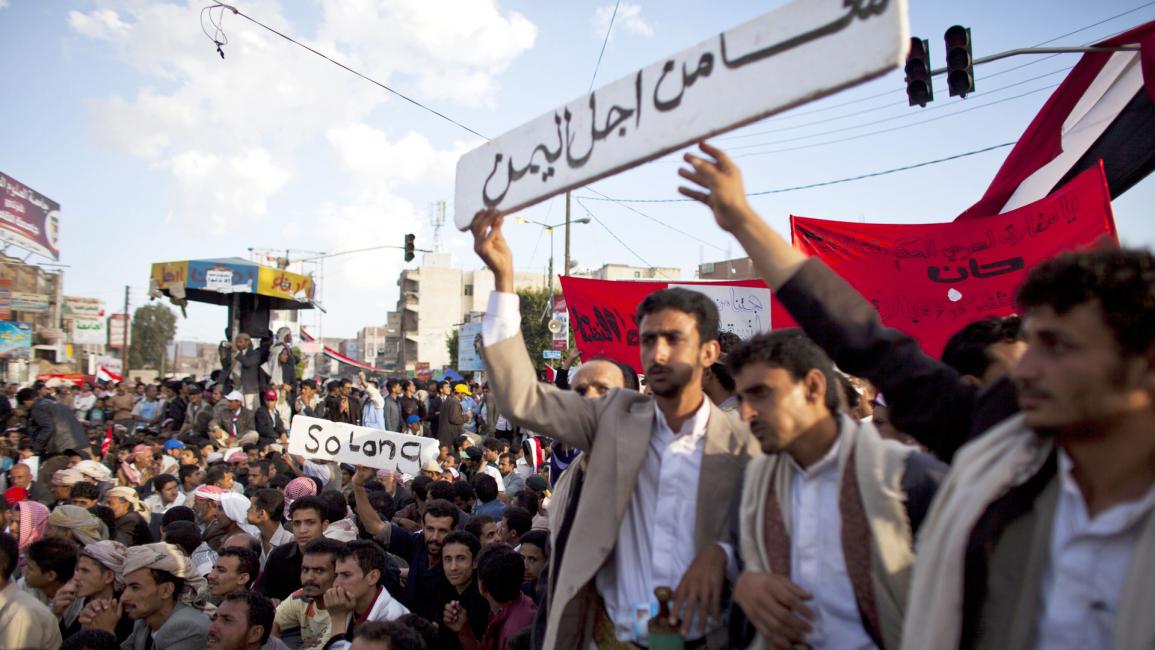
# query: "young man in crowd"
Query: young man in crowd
358,594
501,570
234,570
243,621
25,622
488,502
98,577
670,491
459,557
303,613
309,519
266,509
534,550
515,522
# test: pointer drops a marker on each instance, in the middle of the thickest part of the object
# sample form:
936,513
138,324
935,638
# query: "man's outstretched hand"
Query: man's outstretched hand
491,247
721,179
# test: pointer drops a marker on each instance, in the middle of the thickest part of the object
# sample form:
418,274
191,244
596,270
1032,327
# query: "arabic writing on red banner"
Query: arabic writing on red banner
603,313
930,280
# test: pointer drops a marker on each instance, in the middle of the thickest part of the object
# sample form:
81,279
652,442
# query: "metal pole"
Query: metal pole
127,323
551,261
1043,50
565,271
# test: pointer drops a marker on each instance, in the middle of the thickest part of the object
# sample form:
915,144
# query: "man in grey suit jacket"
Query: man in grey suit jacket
670,465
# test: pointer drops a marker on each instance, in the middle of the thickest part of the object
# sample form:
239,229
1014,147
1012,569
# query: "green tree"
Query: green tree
451,344
153,328
534,327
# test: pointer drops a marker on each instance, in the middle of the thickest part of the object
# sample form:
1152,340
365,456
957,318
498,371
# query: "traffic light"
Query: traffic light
918,86
409,246
960,68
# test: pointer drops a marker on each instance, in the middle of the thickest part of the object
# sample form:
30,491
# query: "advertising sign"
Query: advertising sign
15,340
29,219
469,348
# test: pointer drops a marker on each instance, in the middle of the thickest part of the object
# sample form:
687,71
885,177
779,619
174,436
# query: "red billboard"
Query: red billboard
29,219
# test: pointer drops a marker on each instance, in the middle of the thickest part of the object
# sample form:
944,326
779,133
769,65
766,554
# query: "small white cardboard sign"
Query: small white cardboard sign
318,439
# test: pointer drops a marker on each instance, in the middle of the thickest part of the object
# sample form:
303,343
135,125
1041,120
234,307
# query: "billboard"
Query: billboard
469,348
15,340
117,325
88,331
78,307
29,219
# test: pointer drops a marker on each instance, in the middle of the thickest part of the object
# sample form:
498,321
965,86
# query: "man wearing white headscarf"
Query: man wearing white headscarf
156,577
234,515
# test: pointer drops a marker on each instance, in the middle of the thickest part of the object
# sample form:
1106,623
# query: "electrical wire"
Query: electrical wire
626,246
609,30
808,186
347,68
636,211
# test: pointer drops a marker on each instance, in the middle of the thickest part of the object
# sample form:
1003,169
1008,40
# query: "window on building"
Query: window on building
637,274
469,289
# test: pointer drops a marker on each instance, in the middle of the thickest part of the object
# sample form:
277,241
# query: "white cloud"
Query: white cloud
629,18
368,155
3,4
218,188
102,24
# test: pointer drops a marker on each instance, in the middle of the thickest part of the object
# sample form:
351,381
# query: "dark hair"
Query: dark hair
465,538
9,554
186,470
271,501
518,520
383,503
491,444
161,577
91,639
441,508
247,561
441,490
390,384
216,473
311,502
698,305
420,487
54,554
528,501
368,555
464,491
177,513
261,610
629,375
967,349
460,441
848,392
508,456
254,543
396,635
486,487
324,546
501,569
105,514
1122,280
722,373
184,534
476,523
84,490
25,394
792,351
338,506
425,629
162,480
538,538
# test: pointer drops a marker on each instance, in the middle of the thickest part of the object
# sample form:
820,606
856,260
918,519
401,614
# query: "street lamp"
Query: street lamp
549,228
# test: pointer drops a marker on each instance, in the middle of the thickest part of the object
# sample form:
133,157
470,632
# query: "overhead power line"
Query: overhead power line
808,186
609,30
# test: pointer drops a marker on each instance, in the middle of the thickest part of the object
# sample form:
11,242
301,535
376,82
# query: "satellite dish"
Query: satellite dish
555,326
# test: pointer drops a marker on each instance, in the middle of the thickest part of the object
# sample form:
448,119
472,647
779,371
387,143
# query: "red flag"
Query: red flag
107,442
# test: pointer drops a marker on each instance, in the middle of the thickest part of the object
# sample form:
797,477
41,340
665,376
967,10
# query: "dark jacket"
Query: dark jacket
245,421
452,421
132,530
53,428
269,425
185,629
253,379
282,574
426,588
334,414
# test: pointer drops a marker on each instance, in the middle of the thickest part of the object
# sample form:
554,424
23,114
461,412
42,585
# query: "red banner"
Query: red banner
603,313
29,219
930,280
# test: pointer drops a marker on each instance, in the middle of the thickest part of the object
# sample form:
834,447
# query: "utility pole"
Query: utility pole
565,271
127,323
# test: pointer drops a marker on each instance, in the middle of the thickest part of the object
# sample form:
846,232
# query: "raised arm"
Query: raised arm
927,398
523,400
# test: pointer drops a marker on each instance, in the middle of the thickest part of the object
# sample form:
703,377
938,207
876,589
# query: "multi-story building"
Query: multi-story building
625,272
736,269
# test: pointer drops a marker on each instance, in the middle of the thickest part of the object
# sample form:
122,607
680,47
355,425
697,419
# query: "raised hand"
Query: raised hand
490,245
725,193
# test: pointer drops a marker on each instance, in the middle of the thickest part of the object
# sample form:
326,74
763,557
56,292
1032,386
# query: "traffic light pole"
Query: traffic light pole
1042,50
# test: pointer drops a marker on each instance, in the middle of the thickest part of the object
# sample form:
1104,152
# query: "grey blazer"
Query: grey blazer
185,629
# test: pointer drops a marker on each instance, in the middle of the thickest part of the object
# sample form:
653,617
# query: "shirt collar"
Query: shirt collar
1115,519
824,464
695,425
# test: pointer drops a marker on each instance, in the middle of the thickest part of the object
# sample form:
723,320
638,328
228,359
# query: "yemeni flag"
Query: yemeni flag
104,374
1104,110
107,442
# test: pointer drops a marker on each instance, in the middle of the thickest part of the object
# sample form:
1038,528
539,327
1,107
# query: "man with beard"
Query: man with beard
155,575
242,622
426,585
303,613
662,472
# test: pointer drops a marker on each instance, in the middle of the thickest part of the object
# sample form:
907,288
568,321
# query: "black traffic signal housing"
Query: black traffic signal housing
919,89
960,68
410,246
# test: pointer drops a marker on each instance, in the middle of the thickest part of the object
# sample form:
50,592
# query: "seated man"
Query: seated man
154,577
303,612
358,594
98,577
308,517
243,621
501,570
235,570
24,621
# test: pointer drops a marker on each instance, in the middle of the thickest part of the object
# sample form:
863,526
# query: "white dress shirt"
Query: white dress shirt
1089,558
655,543
816,560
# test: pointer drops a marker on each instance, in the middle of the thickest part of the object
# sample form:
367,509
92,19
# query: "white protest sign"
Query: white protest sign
318,439
744,311
798,53
219,280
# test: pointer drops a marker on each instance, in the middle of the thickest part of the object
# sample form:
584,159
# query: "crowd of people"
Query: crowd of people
829,486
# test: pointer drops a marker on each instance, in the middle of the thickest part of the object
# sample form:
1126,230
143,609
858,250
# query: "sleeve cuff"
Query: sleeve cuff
502,319
731,562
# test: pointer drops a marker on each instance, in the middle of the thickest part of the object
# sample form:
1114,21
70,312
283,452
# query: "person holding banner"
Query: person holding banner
670,465
1055,467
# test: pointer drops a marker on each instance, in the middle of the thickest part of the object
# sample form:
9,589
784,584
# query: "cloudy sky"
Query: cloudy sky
159,149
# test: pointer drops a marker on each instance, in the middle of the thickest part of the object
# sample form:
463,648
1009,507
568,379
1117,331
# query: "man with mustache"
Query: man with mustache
303,612
1043,533
242,622
662,471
